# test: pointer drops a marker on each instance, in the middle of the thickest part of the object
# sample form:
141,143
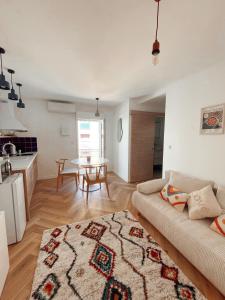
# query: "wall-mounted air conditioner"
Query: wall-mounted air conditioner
62,107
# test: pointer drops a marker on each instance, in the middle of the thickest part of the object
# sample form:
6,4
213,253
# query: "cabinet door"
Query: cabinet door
142,146
35,171
4,257
19,206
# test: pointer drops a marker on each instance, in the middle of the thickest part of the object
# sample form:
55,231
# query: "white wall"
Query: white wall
121,150
46,127
192,153
156,104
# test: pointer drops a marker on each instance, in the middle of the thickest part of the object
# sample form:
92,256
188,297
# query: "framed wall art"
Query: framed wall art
212,119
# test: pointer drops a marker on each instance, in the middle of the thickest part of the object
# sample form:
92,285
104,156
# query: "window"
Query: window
91,138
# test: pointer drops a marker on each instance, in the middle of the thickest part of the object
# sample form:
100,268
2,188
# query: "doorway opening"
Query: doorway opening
158,146
147,139
91,138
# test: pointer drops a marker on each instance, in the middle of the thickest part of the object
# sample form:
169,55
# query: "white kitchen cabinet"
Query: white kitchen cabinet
4,256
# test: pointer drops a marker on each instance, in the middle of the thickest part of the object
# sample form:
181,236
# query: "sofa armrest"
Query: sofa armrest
151,186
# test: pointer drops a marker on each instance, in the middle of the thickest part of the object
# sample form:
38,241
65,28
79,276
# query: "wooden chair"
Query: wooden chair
62,171
96,175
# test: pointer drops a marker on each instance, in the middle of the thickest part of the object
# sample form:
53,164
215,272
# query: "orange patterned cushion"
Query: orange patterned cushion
173,195
218,225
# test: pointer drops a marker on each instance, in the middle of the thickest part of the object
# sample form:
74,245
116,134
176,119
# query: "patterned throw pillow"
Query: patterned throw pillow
173,195
218,225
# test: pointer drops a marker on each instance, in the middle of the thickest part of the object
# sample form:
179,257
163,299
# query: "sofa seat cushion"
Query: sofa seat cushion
204,248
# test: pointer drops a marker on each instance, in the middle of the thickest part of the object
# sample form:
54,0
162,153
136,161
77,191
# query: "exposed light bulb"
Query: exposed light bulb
155,60
155,52
156,44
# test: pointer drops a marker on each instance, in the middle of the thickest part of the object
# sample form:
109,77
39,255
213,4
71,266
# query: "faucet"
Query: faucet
12,148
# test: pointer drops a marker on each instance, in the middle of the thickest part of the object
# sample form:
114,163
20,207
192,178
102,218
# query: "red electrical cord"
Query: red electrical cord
157,26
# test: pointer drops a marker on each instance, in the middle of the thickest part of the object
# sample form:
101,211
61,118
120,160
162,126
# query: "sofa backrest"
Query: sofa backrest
186,183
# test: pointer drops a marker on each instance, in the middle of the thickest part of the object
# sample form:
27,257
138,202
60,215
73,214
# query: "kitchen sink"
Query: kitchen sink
18,158
25,154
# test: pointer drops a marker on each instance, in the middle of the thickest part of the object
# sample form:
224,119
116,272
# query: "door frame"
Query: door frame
138,113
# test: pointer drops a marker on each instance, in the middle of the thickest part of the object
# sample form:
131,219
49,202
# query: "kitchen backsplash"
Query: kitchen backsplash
25,144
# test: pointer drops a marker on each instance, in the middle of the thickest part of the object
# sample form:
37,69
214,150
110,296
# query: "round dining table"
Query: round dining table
84,163
93,162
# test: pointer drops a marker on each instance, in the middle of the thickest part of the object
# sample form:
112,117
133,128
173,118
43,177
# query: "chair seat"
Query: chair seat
92,177
69,171
83,172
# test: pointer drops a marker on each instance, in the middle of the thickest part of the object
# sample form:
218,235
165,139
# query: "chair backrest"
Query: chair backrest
100,172
61,164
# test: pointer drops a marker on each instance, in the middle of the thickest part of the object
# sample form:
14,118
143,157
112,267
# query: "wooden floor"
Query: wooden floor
50,209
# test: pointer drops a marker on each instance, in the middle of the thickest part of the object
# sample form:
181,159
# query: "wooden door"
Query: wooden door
142,146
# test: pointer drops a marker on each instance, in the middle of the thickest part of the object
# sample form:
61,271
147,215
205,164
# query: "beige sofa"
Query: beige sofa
204,248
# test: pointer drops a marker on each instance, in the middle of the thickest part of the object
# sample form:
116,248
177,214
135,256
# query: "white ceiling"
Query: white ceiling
81,49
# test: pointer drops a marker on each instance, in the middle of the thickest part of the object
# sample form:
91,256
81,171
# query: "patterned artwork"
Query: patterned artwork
212,120
109,258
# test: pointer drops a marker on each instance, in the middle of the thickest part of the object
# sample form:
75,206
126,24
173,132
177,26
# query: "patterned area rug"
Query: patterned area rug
111,257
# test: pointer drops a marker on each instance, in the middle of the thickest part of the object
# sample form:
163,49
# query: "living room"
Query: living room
111,149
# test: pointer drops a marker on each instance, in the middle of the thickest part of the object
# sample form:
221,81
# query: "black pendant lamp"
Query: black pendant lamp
97,114
4,85
12,95
20,103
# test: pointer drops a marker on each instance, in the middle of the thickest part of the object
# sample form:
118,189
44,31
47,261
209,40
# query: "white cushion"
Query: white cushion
186,183
203,204
151,186
220,195
204,248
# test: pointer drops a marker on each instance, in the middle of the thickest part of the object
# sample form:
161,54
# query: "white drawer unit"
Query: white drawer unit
13,204
4,257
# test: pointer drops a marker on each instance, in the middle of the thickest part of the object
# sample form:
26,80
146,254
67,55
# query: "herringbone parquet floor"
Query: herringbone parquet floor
51,209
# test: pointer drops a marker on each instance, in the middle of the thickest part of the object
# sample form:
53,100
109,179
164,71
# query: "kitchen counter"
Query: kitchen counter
22,162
